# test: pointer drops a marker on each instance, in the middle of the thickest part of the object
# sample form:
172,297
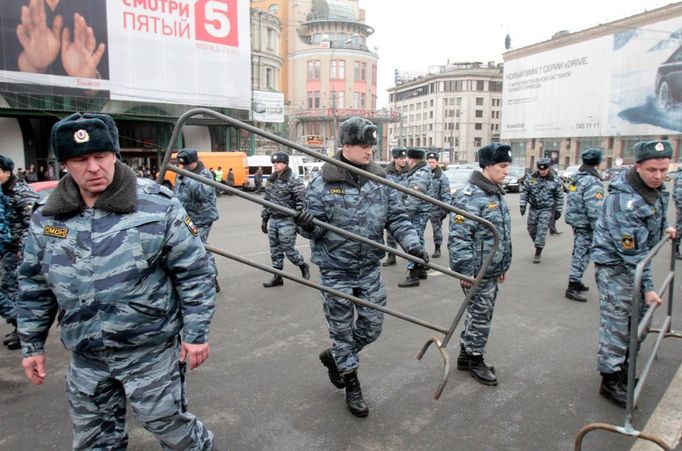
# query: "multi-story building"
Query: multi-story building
454,108
608,86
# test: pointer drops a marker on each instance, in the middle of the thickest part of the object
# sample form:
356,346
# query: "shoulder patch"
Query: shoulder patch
337,191
190,225
57,232
459,219
492,205
532,181
599,195
467,192
416,188
630,205
628,242
572,187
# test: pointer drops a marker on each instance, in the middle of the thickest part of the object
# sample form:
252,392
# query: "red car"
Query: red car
44,188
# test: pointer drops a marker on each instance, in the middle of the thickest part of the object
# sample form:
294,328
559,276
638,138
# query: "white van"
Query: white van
304,166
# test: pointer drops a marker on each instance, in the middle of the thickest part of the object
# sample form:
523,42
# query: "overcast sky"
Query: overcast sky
411,35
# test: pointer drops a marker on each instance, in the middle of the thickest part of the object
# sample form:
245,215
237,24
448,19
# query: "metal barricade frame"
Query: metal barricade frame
638,332
475,281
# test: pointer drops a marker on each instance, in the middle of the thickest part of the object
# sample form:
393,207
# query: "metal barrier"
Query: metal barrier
638,332
447,332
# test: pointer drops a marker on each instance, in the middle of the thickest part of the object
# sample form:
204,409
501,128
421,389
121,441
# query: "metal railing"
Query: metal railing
638,332
475,281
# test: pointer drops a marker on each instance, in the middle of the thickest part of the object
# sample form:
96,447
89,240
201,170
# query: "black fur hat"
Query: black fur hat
82,134
494,153
358,131
188,156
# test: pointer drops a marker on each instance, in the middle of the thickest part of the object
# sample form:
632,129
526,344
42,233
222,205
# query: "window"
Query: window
313,99
457,126
363,100
337,69
480,85
270,77
456,141
356,99
479,113
478,126
479,101
360,71
314,70
477,142
374,74
340,98
430,114
272,39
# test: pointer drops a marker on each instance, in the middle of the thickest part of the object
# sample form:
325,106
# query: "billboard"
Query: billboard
191,52
626,83
268,106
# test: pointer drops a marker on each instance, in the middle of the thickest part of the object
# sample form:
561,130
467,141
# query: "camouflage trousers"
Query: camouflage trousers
538,225
152,378
678,226
580,258
203,234
390,240
352,327
10,284
419,221
437,225
282,237
615,285
479,316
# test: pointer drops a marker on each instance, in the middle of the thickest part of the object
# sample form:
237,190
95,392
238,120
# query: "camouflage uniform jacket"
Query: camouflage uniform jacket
393,175
357,205
286,190
677,193
5,235
632,221
197,198
441,187
542,192
470,242
585,198
420,178
130,272
20,201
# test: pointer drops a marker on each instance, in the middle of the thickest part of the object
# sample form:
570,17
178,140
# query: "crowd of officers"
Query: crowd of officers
119,262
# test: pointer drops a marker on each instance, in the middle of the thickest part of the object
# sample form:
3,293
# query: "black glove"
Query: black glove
523,210
264,226
304,220
557,215
419,252
444,214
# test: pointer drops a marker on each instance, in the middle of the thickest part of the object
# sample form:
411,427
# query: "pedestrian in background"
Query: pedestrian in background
364,207
20,199
468,245
120,263
396,171
197,198
585,198
258,180
677,197
632,221
284,188
441,190
543,191
420,179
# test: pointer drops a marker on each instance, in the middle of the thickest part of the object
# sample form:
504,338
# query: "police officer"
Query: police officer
120,264
585,198
364,207
286,189
677,197
20,199
632,221
441,190
396,171
419,178
198,199
543,192
470,242
6,310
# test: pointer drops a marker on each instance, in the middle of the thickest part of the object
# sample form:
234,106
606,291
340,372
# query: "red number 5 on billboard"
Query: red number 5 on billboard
216,21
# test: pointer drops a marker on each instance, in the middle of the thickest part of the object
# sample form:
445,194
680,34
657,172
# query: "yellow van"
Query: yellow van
214,160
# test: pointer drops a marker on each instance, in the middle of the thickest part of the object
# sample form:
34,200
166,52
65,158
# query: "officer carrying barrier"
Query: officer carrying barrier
638,333
475,281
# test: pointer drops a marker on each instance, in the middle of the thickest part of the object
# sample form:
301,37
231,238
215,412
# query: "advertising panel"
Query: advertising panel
192,52
268,106
626,83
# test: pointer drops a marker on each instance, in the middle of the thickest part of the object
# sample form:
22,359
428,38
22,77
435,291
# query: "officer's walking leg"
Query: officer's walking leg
97,405
204,231
8,290
532,223
390,242
580,258
474,335
276,253
416,272
369,321
437,226
154,380
287,239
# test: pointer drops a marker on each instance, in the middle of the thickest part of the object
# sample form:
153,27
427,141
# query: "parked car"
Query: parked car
44,188
458,179
569,172
612,173
669,81
512,182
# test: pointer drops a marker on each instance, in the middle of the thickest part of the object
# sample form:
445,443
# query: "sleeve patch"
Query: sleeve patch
190,225
459,219
628,242
599,195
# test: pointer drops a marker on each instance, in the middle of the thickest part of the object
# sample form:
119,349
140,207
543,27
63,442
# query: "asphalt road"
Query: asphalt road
263,387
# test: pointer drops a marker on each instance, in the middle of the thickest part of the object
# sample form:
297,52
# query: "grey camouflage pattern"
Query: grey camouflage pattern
585,198
538,225
286,190
580,258
198,199
282,238
479,316
677,198
542,192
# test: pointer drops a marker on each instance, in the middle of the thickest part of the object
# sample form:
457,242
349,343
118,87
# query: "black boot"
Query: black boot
481,372
305,271
612,389
390,260
573,292
581,286
422,274
463,359
538,251
274,282
436,253
327,360
217,286
412,279
12,340
678,256
356,404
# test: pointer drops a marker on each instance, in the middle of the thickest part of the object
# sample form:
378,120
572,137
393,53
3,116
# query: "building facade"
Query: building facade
454,109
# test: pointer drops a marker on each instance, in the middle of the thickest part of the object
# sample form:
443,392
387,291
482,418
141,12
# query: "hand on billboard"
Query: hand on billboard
81,56
41,44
